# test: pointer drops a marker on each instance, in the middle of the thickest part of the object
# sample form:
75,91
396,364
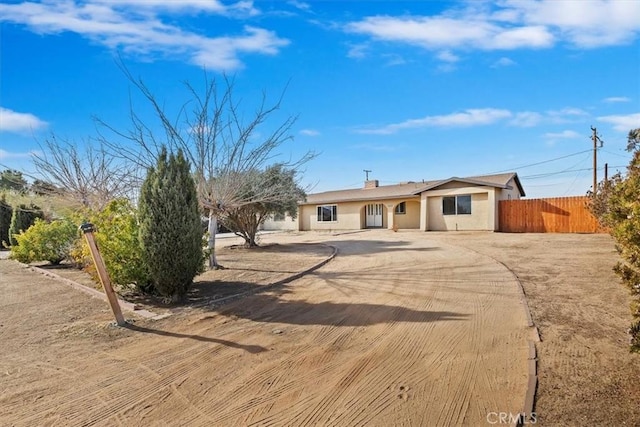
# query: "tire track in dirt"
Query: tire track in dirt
410,361
406,332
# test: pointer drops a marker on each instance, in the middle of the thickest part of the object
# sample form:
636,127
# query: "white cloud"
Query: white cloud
615,99
446,67
484,117
136,27
309,132
622,123
565,134
567,115
206,5
393,59
511,24
586,24
447,56
12,121
300,5
526,119
449,33
568,111
503,62
470,117
6,155
358,51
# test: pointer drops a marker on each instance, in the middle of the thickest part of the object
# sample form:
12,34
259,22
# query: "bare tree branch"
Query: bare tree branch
225,150
92,178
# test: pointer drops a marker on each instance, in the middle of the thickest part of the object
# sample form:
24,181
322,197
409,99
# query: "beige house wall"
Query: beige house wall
352,215
423,212
509,194
288,223
409,220
481,218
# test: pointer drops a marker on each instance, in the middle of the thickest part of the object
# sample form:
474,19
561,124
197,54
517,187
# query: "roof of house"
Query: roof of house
411,189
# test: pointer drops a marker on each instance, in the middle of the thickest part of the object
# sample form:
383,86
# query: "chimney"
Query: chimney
372,183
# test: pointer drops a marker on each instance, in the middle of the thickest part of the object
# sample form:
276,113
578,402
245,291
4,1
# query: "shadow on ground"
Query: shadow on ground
367,247
271,308
253,349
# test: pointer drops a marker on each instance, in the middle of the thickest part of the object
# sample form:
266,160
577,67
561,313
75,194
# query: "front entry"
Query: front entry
374,215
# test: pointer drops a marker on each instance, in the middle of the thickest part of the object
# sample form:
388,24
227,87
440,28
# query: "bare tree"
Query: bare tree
91,176
282,198
223,148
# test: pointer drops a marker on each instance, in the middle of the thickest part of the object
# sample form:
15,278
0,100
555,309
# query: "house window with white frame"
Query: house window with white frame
456,205
401,208
327,213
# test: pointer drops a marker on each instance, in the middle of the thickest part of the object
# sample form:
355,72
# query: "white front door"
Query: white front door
374,215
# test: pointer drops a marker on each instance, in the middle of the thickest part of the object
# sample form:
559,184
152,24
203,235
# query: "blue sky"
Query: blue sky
409,90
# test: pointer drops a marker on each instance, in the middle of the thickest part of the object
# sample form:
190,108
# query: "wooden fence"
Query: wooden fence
552,215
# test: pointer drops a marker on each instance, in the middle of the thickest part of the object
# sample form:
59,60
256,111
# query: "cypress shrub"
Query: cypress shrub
22,218
170,228
6,212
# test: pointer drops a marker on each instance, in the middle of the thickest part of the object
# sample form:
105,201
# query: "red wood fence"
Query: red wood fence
552,215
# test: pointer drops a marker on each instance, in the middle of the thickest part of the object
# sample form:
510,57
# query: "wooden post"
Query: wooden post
595,159
88,230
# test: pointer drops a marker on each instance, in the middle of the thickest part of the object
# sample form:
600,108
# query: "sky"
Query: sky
409,90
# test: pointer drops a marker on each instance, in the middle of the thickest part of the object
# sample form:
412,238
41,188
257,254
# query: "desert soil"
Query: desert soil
586,374
400,328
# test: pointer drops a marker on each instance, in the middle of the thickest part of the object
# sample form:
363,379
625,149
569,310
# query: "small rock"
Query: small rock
277,331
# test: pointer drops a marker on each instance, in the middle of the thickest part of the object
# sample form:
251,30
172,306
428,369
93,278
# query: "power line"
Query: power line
545,175
572,167
615,154
543,162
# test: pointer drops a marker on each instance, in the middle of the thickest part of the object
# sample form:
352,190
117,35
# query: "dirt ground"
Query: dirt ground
586,374
400,328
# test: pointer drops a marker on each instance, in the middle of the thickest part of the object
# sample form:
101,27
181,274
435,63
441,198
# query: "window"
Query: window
456,205
327,213
278,216
449,205
401,209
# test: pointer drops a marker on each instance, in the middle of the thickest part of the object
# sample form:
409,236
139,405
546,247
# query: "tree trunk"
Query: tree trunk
252,239
213,229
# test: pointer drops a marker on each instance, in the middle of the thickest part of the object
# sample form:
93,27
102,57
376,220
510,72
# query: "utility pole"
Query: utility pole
595,139
366,171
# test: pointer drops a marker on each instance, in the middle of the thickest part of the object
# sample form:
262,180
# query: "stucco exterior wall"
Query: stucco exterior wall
508,194
482,217
350,217
288,223
411,219
423,212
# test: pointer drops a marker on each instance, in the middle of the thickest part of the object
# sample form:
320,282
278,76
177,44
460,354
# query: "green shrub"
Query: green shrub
616,204
22,218
6,212
45,241
170,227
117,239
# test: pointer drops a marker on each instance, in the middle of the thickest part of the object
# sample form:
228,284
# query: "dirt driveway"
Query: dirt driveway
587,376
399,329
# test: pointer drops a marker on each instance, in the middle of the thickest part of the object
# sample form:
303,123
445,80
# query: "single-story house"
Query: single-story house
450,204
